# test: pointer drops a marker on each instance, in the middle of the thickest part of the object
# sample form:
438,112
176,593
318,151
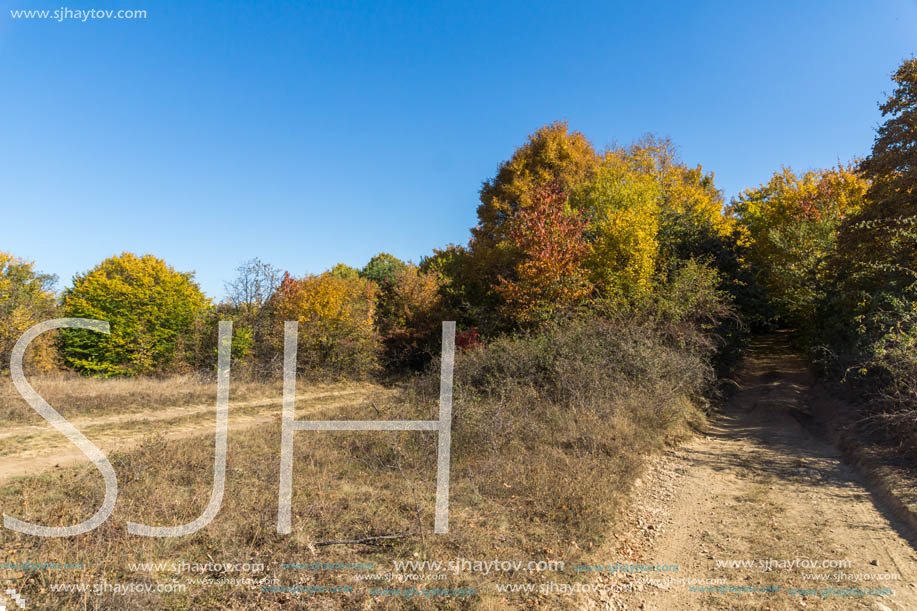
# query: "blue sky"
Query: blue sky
311,133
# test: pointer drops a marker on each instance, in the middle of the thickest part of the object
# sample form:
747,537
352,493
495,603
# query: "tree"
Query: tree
465,297
26,298
622,204
690,205
336,316
254,284
682,189
414,312
552,155
151,308
551,247
791,225
342,270
382,269
642,203
409,309
879,245
457,285
247,295
870,318
892,165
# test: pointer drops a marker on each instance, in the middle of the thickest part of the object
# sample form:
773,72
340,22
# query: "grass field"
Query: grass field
542,459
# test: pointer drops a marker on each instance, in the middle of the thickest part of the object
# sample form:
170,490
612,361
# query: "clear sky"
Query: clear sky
311,133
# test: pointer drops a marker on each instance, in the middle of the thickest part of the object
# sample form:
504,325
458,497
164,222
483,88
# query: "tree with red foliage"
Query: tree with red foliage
550,274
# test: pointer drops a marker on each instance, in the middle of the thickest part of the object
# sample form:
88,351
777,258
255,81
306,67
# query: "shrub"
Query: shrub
585,398
691,307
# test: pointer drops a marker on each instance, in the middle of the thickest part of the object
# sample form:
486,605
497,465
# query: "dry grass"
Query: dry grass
74,396
549,433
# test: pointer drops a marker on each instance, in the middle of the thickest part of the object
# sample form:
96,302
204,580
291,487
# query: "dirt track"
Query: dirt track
759,486
32,449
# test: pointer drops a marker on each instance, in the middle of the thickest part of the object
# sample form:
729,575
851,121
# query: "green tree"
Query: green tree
878,246
342,270
151,309
409,309
869,320
892,165
452,267
26,298
382,269
465,297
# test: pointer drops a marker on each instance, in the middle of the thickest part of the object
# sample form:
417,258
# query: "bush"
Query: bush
586,398
869,340
692,309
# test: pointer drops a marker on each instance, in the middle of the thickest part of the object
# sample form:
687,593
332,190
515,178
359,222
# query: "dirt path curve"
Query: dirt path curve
33,449
759,486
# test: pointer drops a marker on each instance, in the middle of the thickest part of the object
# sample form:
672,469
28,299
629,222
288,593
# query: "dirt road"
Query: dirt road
33,449
758,487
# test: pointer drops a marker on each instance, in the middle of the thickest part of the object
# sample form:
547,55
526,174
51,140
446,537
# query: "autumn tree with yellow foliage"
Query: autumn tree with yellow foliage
791,226
640,206
622,205
553,155
336,327
152,310
26,299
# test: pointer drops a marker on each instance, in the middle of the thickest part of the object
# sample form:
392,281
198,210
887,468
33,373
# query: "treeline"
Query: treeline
353,323
564,231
